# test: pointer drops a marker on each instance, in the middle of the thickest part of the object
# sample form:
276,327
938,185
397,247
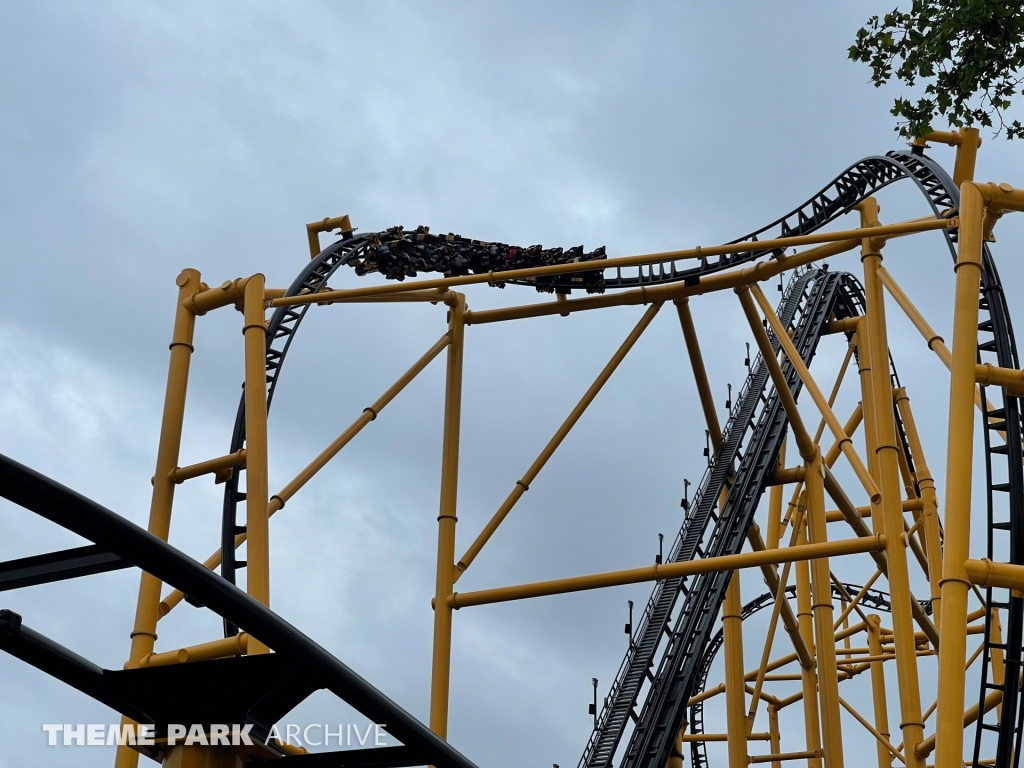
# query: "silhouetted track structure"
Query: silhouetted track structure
678,677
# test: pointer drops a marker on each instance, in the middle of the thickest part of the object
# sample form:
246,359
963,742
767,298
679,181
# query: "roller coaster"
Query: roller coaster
655,712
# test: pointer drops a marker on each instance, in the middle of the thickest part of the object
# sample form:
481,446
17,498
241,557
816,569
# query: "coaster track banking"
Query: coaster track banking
260,688
838,198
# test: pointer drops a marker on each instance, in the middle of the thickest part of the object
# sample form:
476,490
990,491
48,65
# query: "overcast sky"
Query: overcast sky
138,139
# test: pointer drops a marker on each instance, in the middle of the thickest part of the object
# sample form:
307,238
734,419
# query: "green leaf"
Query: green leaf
968,55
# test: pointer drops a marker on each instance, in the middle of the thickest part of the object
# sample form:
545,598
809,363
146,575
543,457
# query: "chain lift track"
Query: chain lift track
653,738
871,598
1007,495
636,666
839,197
670,660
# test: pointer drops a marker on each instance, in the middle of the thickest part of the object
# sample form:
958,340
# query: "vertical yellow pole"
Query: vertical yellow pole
808,677
949,732
929,502
892,501
966,155
775,506
735,693
998,662
868,408
874,624
257,492
773,734
446,519
675,760
146,611
824,635
904,465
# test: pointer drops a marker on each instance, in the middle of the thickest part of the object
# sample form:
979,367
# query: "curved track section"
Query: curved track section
280,332
651,743
1003,433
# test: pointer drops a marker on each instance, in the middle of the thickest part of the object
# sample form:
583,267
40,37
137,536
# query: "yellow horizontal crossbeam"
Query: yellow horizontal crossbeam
228,292
811,753
986,573
213,466
987,374
215,649
781,243
670,571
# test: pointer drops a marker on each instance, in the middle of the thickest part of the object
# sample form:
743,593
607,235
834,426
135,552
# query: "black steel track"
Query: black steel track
280,332
652,741
258,689
621,700
818,296
839,197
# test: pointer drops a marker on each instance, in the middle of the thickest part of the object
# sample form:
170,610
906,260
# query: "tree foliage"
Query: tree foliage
969,54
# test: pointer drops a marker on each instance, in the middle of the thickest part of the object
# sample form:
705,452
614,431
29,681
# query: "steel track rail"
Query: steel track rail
872,598
653,739
856,183
284,323
1005,493
653,626
839,197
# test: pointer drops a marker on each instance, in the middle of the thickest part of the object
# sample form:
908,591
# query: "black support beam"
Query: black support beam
92,521
58,566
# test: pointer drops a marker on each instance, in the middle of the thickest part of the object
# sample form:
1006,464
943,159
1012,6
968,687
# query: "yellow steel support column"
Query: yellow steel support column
279,499
257,491
929,502
803,441
998,662
868,408
675,760
966,155
949,741
824,644
909,477
700,375
889,483
874,624
808,677
735,692
146,612
775,506
446,519
782,608
773,734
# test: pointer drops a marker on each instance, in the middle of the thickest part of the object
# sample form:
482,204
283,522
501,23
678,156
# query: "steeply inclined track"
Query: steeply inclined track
812,296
